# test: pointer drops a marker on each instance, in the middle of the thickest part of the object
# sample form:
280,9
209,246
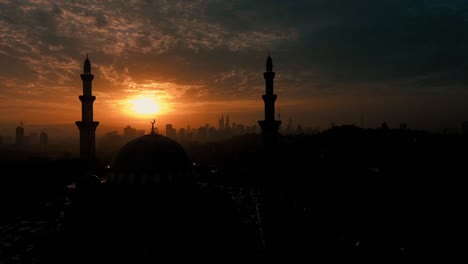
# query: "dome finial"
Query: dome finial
152,127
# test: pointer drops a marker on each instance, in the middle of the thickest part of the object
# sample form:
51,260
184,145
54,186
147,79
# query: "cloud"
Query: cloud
207,51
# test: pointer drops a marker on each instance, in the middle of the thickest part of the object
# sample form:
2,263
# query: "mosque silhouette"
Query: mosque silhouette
345,194
149,207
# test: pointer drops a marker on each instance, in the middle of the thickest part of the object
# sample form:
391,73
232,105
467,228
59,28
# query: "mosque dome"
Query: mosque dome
151,159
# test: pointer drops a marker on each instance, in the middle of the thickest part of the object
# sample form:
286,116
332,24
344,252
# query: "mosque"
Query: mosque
153,158
149,206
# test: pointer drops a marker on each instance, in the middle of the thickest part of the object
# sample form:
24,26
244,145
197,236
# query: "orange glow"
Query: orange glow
144,106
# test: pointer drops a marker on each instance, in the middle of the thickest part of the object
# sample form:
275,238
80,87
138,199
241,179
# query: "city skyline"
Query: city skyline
392,62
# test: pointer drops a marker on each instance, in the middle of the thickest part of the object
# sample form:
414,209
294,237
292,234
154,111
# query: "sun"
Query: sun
145,106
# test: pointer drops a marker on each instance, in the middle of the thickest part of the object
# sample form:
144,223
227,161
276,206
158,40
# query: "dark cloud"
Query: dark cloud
214,50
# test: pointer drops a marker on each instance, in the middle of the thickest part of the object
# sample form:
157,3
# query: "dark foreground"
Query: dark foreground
325,199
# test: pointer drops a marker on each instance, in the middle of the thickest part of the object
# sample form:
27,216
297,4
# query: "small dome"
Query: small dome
151,158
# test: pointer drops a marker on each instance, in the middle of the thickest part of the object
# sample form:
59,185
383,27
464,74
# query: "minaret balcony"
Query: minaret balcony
87,98
269,75
269,97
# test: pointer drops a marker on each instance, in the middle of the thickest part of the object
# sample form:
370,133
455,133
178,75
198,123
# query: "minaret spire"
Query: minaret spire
269,63
87,125
87,66
269,125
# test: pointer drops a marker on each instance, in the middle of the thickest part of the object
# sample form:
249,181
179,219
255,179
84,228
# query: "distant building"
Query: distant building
384,126
20,135
33,138
289,126
240,128
43,139
8,139
300,131
182,134
113,135
221,123
131,133
227,125
212,132
202,132
170,131
464,128
109,143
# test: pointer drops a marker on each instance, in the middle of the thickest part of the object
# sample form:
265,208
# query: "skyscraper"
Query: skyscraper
87,125
131,133
19,140
43,139
227,125
221,123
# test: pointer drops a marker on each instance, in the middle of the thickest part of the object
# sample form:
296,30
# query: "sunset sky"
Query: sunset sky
394,61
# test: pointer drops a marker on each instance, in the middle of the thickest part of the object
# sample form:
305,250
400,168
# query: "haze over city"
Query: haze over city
189,62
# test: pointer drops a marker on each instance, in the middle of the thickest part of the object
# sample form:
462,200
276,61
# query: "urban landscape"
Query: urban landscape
148,150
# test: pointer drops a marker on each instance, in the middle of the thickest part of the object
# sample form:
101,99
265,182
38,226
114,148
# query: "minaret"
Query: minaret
87,125
271,179
269,125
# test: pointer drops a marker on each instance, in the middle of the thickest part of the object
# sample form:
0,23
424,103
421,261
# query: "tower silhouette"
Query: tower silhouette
20,134
227,125
221,123
87,125
269,125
